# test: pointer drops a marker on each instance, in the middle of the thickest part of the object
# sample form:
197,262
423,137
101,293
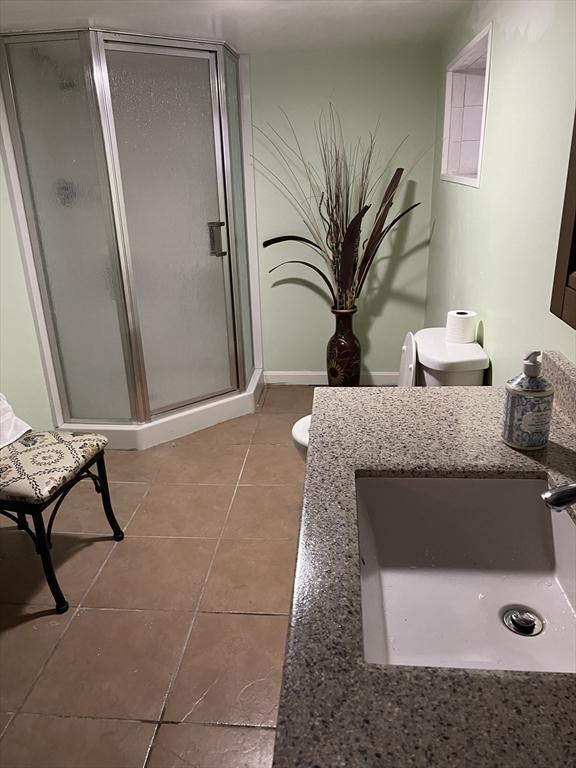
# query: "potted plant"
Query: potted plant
333,202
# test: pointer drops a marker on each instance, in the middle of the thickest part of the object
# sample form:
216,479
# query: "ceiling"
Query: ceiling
247,25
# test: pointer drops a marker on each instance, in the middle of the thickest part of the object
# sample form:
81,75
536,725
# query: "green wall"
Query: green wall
494,248
21,374
399,86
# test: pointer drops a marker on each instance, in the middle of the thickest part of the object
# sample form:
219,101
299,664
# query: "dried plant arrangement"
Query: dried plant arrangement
333,197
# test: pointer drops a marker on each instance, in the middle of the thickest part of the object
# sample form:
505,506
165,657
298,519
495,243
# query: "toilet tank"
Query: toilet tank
444,364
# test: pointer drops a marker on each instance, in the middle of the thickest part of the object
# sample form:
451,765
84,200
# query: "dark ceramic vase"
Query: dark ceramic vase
343,352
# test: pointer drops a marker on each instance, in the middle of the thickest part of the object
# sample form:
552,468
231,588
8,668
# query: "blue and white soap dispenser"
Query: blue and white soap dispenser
528,407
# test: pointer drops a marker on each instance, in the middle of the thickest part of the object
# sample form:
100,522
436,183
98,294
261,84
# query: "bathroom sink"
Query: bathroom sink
444,561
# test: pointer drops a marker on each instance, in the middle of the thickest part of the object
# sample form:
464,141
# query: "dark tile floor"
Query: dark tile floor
171,653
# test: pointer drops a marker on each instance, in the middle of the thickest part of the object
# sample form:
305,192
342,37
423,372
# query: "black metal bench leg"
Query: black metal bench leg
44,551
22,524
106,503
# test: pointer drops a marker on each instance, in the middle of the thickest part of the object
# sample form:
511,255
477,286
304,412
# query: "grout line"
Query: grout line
211,724
273,485
208,485
146,721
246,613
227,485
11,716
193,538
174,675
91,717
155,484
86,608
76,609
192,610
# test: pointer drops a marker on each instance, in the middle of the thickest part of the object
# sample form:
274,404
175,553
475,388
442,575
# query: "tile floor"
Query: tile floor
171,653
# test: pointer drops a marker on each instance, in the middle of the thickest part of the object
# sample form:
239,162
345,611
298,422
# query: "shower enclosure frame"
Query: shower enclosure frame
93,42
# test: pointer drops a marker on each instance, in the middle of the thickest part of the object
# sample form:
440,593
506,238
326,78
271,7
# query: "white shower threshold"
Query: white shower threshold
179,423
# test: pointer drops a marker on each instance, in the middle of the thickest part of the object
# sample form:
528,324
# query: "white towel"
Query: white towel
11,427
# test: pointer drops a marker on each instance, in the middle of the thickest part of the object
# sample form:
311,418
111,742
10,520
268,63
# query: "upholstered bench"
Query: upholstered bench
40,468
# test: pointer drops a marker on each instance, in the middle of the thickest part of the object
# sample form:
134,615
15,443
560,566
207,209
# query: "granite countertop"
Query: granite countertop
337,710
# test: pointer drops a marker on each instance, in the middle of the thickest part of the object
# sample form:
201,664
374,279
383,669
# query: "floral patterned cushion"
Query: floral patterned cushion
36,465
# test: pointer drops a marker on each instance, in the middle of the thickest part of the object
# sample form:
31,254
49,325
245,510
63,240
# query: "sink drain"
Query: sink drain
523,621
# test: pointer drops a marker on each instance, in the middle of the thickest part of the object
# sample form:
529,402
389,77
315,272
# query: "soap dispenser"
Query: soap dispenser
528,407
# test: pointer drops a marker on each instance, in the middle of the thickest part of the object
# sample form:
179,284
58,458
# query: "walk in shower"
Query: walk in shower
129,159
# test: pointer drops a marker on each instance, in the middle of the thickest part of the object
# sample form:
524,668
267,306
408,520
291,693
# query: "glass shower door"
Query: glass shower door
166,122
70,222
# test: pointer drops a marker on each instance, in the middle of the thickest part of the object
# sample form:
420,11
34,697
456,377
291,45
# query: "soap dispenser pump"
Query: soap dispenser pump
528,407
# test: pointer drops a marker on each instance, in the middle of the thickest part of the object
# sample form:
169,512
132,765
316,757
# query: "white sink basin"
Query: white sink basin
442,560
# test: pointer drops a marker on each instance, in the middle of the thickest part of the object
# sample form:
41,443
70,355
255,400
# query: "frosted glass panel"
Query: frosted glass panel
237,172
163,117
79,264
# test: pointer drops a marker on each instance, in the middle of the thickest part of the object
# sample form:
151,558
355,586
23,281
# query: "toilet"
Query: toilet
438,363
301,434
426,360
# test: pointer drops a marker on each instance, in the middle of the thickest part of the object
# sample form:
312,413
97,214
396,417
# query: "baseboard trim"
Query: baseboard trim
320,378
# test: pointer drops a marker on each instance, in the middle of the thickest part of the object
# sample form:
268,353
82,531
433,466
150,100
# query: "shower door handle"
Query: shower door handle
215,231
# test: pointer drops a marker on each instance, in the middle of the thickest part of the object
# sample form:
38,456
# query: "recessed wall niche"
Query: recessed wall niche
467,79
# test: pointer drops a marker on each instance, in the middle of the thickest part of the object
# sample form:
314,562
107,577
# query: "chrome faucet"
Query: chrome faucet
560,498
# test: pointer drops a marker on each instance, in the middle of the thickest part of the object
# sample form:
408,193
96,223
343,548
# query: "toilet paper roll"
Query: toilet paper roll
461,326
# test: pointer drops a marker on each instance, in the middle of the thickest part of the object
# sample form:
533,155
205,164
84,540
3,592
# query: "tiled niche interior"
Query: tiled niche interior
464,114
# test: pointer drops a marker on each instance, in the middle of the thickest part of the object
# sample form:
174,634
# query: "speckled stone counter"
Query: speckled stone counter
335,709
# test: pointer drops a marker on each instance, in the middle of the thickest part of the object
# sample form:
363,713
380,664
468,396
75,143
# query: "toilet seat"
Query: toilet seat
407,373
301,433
